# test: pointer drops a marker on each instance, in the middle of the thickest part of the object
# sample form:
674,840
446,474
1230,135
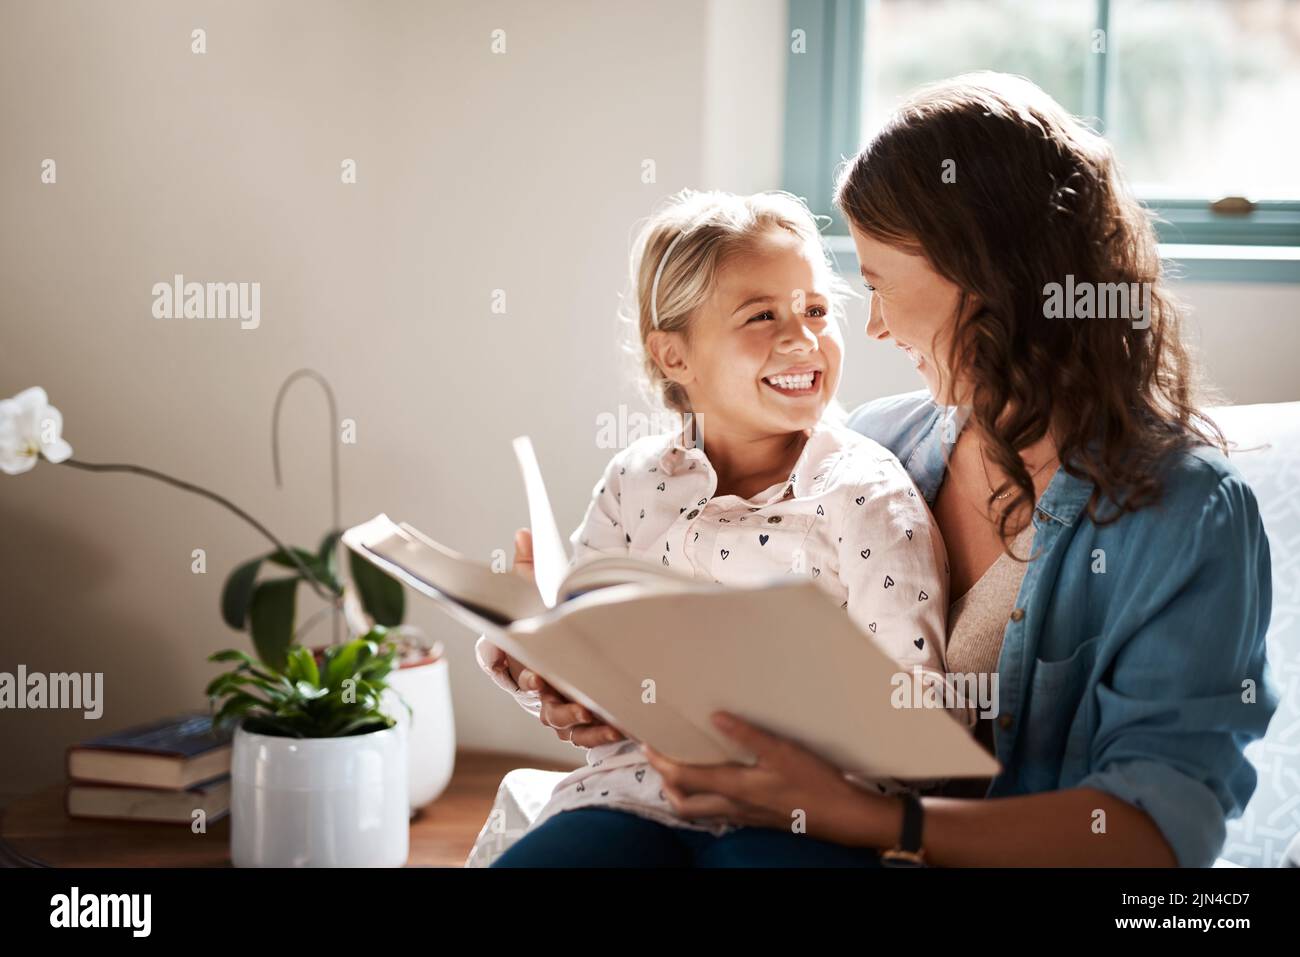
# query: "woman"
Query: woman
1129,649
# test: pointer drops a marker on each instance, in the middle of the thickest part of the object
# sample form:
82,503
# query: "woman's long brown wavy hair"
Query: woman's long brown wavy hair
1035,196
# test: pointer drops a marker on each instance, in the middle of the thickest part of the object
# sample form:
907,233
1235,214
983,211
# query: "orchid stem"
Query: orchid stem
325,593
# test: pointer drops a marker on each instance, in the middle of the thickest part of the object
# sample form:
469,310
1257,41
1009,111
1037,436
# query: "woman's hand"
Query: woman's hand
786,780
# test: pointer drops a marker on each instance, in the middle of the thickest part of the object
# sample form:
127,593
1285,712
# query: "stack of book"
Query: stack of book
162,772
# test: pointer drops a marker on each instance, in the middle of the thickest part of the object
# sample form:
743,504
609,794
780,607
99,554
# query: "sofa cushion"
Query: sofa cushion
1267,453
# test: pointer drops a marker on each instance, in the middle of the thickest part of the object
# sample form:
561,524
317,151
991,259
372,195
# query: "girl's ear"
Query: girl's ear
668,349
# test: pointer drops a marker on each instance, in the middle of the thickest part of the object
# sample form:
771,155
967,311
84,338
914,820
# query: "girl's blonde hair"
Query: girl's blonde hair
704,230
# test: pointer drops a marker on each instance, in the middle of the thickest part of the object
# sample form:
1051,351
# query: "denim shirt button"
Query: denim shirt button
1017,614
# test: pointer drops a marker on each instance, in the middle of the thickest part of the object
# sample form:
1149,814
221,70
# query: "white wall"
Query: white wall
1248,338
477,172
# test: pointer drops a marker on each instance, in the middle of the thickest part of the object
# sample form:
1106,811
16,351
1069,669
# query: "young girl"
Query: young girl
737,309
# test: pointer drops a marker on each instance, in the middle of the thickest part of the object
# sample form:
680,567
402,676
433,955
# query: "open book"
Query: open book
654,653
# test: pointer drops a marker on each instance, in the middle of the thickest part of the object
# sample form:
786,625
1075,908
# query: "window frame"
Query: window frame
823,129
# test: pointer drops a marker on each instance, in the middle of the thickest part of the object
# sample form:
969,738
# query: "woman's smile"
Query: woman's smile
917,359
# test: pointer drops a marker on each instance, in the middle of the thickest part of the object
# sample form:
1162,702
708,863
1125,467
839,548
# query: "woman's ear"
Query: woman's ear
668,349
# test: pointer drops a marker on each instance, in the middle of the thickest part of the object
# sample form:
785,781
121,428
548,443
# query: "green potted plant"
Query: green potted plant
318,771
267,608
261,596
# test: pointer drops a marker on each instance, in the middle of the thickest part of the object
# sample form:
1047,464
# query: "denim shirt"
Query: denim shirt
1134,662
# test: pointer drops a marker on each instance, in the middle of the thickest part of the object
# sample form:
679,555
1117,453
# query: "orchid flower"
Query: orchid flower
30,428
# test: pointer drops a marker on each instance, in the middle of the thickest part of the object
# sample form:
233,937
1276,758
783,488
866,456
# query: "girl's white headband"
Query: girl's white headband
654,286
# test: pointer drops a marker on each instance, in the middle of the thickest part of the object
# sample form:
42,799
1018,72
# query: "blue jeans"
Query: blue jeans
602,837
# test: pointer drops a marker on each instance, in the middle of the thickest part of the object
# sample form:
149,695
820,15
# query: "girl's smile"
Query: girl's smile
795,383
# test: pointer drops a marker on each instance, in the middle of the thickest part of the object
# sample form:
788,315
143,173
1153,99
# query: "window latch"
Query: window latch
1232,206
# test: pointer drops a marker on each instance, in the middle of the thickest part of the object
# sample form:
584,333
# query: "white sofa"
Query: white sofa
1267,438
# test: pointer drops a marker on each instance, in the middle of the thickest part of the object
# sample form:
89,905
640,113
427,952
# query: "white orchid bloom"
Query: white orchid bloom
29,428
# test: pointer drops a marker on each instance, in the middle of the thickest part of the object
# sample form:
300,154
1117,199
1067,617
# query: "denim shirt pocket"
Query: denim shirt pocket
1052,722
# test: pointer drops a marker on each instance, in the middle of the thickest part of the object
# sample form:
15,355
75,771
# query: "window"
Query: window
1199,98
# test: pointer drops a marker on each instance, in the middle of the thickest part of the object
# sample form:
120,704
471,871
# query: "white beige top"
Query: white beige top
977,621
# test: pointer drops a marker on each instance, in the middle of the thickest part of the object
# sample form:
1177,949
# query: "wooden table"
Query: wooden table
35,831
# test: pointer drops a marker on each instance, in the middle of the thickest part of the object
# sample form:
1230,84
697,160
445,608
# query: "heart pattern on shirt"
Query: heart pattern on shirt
908,533
923,596
725,553
865,553
889,582
920,642
762,539
860,499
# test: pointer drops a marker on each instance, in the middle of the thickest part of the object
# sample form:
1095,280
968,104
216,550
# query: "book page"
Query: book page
550,557
467,589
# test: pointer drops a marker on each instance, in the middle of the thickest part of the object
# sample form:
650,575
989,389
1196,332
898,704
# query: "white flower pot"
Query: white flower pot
319,802
431,726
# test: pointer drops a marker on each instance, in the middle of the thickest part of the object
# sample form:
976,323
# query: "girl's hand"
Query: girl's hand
787,780
570,721
523,566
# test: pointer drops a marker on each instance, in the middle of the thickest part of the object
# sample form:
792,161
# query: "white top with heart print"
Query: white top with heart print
848,516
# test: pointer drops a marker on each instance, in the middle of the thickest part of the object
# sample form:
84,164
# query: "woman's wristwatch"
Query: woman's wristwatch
908,852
